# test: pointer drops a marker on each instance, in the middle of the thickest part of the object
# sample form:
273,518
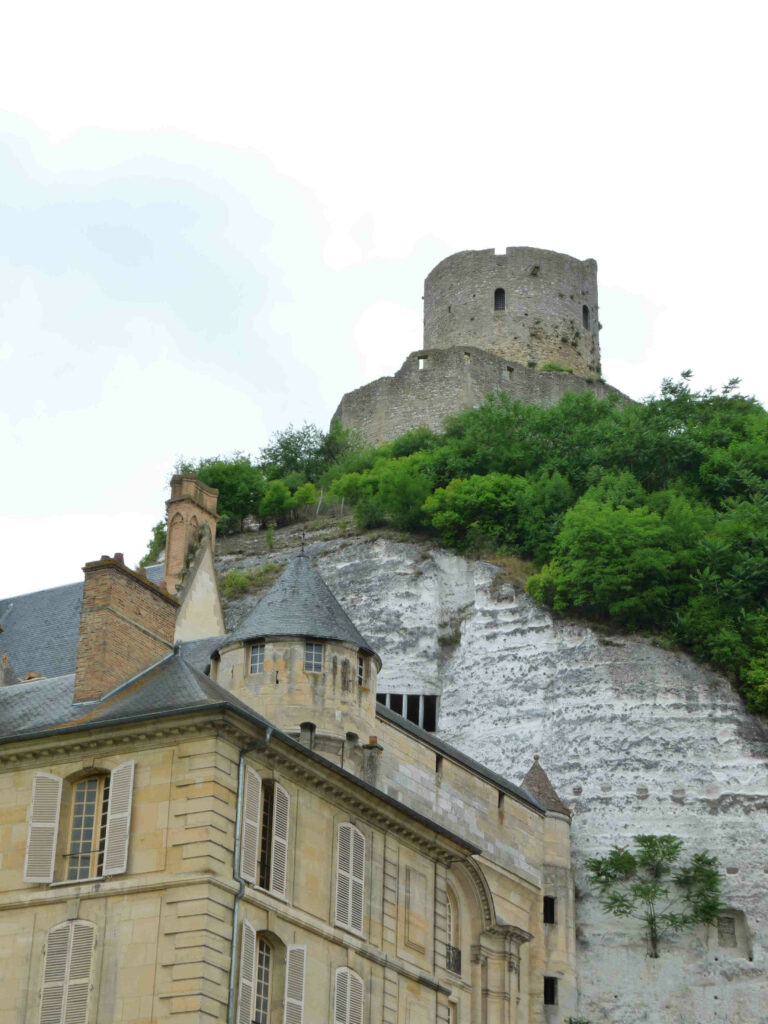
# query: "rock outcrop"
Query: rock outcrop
635,739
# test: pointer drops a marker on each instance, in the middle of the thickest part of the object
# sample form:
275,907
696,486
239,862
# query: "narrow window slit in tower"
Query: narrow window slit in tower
585,316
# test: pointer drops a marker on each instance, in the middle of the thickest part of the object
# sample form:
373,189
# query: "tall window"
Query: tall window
313,657
67,973
360,670
264,836
95,830
263,978
347,997
257,658
88,828
452,949
549,910
350,877
550,991
499,300
585,316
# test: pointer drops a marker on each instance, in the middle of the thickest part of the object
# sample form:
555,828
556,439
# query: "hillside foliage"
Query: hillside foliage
650,516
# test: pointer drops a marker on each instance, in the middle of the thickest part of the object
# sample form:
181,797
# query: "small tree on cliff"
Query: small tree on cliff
649,885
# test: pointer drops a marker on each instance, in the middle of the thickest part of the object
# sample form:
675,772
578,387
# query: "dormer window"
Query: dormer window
313,657
257,658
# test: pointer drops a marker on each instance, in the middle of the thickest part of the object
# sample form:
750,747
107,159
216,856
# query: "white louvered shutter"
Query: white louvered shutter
79,974
249,839
357,882
295,961
343,874
118,819
281,810
43,828
67,977
55,975
341,997
247,974
355,999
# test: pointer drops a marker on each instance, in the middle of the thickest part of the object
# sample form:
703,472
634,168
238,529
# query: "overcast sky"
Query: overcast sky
215,219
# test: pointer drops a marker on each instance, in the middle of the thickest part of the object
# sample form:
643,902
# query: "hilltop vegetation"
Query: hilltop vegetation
651,516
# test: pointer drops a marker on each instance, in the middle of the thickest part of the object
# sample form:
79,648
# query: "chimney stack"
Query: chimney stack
126,625
191,509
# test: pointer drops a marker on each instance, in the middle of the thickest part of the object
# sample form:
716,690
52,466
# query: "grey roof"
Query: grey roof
456,755
40,630
537,781
300,604
172,684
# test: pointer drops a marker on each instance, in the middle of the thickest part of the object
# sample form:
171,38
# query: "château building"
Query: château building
199,825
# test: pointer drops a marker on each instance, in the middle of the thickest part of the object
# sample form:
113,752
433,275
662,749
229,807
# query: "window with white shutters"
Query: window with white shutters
43,828
249,839
280,811
118,819
67,973
347,997
247,974
350,877
295,965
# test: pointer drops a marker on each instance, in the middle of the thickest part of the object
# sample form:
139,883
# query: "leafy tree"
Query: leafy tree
240,483
156,545
649,885
276,502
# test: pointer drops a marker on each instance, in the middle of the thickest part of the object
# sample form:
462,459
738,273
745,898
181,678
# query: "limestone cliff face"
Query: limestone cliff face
634,738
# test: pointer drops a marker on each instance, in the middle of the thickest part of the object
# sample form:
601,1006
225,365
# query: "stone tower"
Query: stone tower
530,306
524,322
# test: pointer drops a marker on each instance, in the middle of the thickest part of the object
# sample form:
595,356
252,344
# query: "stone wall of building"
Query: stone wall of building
528,305
432,384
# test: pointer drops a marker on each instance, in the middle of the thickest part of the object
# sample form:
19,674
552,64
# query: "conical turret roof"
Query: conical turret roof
300,604
537,783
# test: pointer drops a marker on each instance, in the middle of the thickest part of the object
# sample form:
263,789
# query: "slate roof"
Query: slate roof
40,630
430,739
537,782
172,684
300,604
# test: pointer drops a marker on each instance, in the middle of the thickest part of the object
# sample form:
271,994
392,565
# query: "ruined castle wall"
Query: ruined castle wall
449,380
550,312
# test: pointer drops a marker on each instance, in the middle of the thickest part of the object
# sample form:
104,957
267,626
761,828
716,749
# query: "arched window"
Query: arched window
263,962
499,299
585,316
92,841
350,877
347,997
453,946
67,973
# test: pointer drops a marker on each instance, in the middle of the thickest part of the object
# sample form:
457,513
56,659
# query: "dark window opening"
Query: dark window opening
396,702
453,959
550,991
381,698
429,719
439,764
265,859
585,316
499,299
501,801
549,910
419,708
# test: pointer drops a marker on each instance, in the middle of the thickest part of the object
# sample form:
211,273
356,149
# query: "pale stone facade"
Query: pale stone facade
265,842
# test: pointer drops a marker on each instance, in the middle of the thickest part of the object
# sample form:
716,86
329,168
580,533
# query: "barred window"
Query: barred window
499,300
313,657
257,658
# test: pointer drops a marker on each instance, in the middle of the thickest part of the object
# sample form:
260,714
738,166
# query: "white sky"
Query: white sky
215,219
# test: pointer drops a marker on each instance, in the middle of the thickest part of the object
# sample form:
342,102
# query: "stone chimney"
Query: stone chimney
191,513
126,625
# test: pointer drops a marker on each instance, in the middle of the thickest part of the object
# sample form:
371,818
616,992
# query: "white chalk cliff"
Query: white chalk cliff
634,738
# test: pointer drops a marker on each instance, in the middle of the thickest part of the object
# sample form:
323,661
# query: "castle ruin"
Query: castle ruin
524,323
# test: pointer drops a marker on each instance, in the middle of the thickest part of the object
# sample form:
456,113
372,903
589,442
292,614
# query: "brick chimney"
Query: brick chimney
191,509
126,625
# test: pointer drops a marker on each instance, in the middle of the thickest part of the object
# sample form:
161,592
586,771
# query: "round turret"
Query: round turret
529,306
299,660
